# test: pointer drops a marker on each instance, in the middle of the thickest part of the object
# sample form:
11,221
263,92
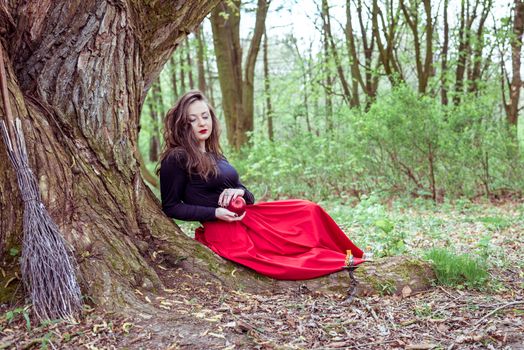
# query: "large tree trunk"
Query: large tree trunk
78,72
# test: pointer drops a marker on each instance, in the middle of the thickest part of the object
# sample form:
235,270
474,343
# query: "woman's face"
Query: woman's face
201,122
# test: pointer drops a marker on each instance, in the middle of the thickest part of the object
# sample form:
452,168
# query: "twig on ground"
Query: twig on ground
494,311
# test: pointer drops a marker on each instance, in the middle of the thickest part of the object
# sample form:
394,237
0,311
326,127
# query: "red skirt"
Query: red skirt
288,240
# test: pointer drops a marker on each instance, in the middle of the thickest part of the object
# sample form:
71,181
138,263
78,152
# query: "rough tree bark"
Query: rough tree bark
78,73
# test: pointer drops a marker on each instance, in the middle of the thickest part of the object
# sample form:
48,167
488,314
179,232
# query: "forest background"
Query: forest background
357,97
402,118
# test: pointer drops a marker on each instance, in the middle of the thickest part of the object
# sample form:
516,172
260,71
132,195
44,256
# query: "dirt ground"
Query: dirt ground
191,314
195,316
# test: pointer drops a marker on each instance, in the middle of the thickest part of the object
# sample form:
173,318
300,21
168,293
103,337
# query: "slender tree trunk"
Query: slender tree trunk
157,113
356,77
464,37
247,122
226,39
153,140
429,70
267,90
182,71
189,64
328,80
371,76
387,49
315,94
305,68
479,44
200,59
211,80
334,53
172,63
512,108
424,63
444,57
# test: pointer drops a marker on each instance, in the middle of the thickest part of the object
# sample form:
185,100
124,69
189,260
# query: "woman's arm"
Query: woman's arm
173,181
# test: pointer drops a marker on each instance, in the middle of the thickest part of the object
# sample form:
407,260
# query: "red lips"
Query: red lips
237,205
204,131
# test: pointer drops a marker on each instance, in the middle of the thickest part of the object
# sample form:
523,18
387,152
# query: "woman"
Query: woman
291,239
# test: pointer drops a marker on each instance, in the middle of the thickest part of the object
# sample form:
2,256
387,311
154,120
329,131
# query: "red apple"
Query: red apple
237,205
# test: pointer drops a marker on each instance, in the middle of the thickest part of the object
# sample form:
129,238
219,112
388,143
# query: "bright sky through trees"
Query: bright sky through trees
301,18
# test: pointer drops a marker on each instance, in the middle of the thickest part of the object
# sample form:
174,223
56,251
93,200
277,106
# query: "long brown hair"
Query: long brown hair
180,141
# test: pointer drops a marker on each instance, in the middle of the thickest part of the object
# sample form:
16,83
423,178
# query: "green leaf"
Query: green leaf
385,225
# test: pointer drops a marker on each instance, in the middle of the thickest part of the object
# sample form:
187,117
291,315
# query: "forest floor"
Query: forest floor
192,314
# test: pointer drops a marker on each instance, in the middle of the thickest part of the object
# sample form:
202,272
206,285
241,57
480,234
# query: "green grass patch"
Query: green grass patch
458,270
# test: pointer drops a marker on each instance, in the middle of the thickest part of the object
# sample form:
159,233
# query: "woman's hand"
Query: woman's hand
228,195
226,215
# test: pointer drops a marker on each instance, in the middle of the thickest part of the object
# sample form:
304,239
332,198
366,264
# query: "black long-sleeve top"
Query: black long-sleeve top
190,197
